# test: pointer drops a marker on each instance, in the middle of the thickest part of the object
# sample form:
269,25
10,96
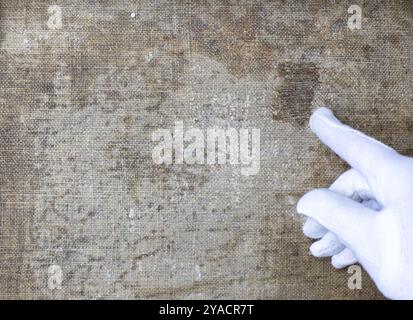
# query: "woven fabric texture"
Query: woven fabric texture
80,196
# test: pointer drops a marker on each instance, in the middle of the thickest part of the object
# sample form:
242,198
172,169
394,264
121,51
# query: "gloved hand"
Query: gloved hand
367,214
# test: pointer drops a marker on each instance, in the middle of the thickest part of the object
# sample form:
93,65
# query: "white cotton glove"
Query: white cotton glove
352,185
366,216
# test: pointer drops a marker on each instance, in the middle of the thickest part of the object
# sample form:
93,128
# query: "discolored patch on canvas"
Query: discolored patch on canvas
297,83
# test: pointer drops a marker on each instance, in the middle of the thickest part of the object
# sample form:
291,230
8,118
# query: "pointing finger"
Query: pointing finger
361,152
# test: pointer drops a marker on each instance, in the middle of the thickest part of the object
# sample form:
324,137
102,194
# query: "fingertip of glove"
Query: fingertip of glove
313,230
316,250
336,264
307,230
321,112
321,119
306,204
324,111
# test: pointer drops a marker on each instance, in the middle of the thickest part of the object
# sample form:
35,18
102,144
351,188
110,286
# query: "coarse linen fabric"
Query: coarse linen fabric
86,213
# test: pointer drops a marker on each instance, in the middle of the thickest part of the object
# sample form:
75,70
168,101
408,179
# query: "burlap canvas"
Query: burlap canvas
78,105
